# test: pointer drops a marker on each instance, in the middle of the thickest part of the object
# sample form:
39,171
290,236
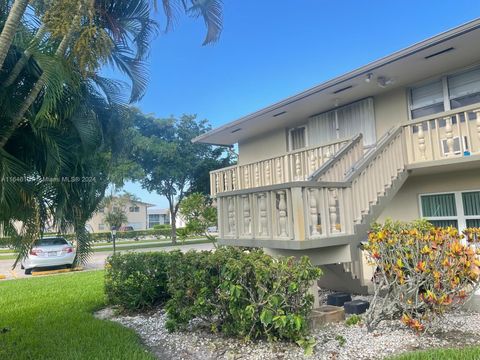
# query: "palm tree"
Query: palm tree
10,27
108,40
116,24
58,116
76,154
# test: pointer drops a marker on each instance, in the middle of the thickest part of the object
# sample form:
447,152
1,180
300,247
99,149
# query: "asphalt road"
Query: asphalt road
97,260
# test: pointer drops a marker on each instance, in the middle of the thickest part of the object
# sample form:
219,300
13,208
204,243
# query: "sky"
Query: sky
272,49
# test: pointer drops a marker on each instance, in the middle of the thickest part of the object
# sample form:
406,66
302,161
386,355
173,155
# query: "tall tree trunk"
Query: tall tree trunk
8,32
173,218
32,96
27,54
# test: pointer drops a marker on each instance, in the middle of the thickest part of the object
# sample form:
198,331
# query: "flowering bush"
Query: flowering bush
421,271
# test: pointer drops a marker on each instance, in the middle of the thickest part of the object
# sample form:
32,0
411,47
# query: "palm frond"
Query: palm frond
61,83
113,90
121,58
211,12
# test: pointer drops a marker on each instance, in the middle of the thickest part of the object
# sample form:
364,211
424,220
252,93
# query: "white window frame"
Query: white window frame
446,98
461,218
446,95
305,134
463,145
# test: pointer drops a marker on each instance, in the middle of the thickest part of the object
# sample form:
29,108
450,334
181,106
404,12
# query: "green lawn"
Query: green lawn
51,318
468,353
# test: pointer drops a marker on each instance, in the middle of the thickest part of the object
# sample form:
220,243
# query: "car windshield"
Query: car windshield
51,241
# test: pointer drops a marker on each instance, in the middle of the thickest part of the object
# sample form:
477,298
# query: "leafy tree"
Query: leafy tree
116,208
199,214
201,179
116,218
65,17
170,162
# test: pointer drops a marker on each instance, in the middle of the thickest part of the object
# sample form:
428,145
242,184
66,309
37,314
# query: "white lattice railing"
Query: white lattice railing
292,166
454,134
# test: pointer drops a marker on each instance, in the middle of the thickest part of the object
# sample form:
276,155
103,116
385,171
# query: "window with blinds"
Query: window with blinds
464,88
446,93
440,210
471,208
439,205
427,99
459,209
297,138
344,122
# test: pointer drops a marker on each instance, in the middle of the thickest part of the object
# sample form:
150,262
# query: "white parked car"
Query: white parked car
49,251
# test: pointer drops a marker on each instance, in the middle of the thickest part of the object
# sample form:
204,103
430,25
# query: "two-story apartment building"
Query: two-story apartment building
399,138
136,212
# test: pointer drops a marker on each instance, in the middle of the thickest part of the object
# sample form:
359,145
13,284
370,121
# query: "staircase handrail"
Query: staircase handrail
336,158
358,167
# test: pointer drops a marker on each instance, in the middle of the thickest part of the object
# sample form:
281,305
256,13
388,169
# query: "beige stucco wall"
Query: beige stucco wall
390,109
404,206
263,147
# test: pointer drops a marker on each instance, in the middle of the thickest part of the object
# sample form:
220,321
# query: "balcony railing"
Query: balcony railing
284,212
453,134
339,195
309,210
293,166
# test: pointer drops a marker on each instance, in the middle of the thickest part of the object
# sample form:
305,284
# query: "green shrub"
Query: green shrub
162,227
183,233
164,230
107,235
353,320
341,340
242,293
137,280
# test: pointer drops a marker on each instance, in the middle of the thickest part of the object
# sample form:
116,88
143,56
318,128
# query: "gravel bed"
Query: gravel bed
334,341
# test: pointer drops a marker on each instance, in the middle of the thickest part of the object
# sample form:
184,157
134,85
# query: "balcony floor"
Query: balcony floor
291,244
456,163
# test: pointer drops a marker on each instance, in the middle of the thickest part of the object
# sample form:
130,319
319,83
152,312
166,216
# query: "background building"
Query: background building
159,216
136,212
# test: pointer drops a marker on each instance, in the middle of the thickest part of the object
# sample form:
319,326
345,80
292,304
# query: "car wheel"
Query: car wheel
28,271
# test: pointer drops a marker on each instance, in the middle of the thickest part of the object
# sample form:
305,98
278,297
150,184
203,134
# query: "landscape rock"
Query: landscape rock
459,328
